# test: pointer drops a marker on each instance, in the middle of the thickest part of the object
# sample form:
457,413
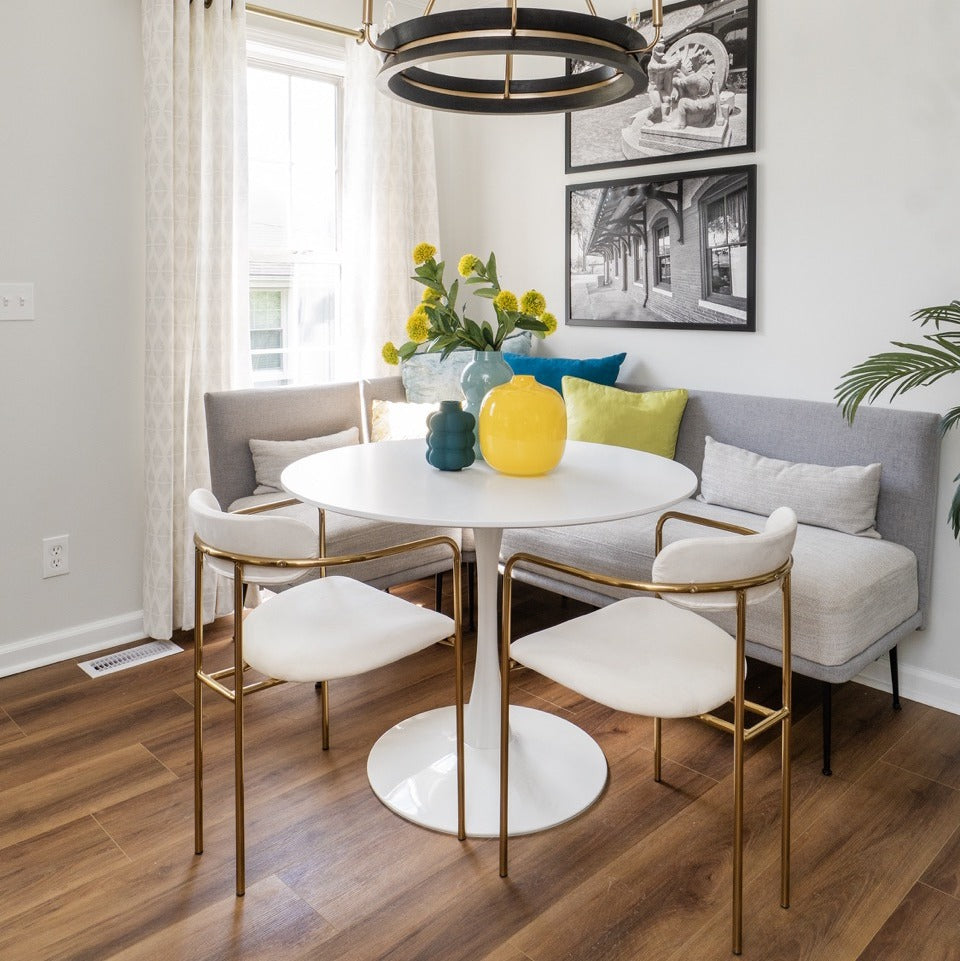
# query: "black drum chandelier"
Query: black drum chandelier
606,54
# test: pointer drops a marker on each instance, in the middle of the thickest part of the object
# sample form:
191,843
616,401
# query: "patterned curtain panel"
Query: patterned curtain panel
196,309
389,205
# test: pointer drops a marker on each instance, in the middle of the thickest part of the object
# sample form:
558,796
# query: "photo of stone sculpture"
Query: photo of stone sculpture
671,252
699,94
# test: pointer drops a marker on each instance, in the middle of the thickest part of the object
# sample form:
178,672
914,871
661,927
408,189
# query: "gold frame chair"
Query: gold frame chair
738,728
240,690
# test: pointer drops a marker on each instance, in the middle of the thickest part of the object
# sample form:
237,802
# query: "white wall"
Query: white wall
71,222
858,135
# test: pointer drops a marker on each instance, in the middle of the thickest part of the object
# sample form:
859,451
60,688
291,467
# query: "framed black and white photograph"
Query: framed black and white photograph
699,98
672,251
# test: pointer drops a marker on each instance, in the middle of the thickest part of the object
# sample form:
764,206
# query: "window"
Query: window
294,98
638,256
725,222
661,246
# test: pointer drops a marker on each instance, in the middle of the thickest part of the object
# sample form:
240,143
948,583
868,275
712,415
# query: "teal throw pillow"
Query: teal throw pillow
550,371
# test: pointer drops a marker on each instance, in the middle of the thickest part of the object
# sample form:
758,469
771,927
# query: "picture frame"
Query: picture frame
674,250
700,98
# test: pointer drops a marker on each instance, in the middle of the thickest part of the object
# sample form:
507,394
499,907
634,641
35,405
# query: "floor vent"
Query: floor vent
131,657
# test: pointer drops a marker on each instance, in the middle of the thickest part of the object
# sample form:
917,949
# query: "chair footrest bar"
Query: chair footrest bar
771,717
214,684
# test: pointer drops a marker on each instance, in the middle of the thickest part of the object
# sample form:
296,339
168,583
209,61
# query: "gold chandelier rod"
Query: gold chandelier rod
365,32
357,35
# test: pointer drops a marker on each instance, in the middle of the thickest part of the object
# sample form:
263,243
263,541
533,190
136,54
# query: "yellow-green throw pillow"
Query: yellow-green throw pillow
608,415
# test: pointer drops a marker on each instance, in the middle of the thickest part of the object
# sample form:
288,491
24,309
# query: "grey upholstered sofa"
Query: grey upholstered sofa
854,597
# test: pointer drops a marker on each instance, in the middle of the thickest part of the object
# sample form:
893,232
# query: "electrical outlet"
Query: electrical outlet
56,556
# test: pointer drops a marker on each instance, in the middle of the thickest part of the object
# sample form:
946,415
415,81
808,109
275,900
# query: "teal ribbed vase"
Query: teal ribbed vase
450,437
487,370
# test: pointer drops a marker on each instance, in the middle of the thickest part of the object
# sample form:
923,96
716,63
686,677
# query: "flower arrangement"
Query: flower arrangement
436,326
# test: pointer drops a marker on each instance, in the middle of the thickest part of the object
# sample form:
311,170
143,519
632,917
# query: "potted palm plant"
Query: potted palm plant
911,366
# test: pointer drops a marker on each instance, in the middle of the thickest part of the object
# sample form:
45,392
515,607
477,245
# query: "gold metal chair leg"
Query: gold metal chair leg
458,681
785,727
198,703
738,742
325,715
238,725
657,752
505,717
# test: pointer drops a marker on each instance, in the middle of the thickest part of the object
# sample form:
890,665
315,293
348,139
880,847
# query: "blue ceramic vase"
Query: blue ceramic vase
450,437
487,370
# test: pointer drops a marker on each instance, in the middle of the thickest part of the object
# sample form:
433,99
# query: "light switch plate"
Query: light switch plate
16,301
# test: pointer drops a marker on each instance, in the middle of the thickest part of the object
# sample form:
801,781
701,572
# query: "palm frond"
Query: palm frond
914,365
950,419
944,314
953,515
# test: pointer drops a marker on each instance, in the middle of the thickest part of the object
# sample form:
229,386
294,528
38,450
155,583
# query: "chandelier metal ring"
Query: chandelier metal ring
607,48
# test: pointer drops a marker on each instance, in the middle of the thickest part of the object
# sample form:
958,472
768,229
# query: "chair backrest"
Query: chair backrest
730,557
251,535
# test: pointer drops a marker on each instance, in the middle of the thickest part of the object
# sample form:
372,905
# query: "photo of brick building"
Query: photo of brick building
669,251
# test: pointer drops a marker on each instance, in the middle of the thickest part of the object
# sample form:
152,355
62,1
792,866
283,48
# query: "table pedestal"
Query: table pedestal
556,769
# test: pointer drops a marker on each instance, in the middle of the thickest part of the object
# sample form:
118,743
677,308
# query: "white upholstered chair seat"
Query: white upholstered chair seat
635,656
336,627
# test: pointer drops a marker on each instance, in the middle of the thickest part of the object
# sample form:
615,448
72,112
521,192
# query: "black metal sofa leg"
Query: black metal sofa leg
827,692
894,678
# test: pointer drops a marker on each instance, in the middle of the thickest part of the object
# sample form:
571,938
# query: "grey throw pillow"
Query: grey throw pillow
270,457
839,498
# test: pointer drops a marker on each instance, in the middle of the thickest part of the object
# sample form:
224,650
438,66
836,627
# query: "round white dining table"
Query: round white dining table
556,769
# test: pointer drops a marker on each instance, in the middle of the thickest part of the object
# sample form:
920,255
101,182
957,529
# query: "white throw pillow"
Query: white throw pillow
839,498
396,420
270,457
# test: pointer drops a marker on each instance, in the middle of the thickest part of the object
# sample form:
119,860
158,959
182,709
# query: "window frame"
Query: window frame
279,51
721,191
661,227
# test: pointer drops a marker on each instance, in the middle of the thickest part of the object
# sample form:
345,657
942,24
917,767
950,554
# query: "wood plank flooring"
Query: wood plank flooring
96,830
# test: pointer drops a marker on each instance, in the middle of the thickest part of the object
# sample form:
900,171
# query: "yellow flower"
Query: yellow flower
551,322
418,326
468,264
422,253
389,354
506,300
430,296
533,302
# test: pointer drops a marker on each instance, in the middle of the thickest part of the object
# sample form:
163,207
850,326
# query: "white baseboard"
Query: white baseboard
916,684
70,643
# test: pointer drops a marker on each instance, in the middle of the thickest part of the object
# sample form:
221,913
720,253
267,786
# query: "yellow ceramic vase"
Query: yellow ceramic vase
522,427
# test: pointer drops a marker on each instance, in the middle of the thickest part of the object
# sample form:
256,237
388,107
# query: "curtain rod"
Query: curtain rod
306,22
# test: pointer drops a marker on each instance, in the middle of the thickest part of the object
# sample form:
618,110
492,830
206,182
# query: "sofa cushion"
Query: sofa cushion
354,535
271,457
847,591
550,371
608,415
840,498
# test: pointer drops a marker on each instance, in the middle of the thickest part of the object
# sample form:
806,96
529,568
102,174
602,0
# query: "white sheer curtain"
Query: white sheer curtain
196,305
390,205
